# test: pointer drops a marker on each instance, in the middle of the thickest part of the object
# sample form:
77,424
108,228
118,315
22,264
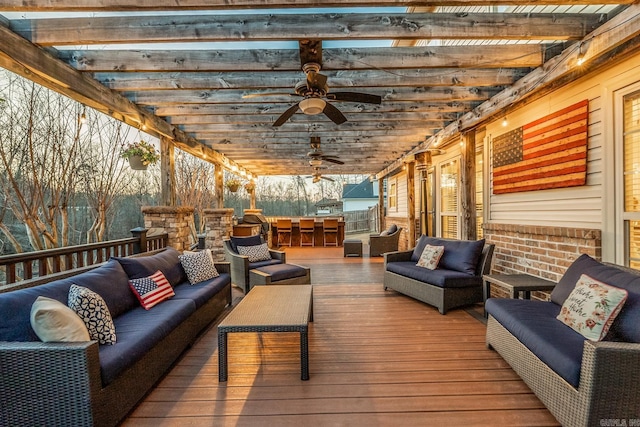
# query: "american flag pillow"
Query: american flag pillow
151,290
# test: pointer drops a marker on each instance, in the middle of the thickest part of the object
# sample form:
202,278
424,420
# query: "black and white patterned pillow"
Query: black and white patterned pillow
255,253
94,313
199,266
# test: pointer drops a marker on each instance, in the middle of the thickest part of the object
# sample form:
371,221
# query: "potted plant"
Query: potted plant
140,154
233,185
250,186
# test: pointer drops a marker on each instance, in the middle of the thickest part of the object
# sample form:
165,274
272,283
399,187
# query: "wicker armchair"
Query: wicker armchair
378,244
240,264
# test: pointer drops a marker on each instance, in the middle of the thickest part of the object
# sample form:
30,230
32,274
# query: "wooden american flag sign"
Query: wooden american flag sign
550,152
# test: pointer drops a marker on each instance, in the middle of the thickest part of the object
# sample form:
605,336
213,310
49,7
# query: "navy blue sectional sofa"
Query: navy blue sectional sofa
457,281
581,382
84,383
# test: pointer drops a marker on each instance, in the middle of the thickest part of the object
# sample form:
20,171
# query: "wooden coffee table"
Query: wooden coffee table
275,308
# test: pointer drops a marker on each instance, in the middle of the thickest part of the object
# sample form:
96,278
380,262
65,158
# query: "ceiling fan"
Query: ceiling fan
317,175
315,91
316,156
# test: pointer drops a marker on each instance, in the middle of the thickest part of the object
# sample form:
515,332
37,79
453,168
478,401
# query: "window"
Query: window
449,185
393,195
631,171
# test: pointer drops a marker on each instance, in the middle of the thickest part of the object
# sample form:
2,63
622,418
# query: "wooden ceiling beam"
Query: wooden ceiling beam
424,94
173,5
328,26
301,118
310,126
246,62
345,107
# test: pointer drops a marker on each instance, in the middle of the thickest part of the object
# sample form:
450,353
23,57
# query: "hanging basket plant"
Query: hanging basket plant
233,185
140,154
250,186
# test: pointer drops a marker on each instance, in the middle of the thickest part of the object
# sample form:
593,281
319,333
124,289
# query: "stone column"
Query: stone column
176,221
218,226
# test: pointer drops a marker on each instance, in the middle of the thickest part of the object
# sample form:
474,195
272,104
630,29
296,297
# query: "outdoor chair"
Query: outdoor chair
240,264
330,229
284,228
307,231
387,241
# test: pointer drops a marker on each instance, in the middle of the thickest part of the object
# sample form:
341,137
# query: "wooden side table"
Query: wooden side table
516,284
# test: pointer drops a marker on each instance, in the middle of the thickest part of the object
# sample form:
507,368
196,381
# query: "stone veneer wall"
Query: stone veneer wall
537,250
218,226
176,221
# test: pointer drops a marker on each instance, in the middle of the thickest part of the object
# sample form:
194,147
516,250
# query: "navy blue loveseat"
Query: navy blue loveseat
84,383
581,382
457,280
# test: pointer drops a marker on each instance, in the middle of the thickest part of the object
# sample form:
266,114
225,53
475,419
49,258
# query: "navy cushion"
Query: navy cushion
625,327
437,277
535,325
109,281
259,264
139,330
202,292
283,271
393,228
245,241
459,255
166,261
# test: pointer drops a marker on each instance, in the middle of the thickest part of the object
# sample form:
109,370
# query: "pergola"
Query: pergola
448,67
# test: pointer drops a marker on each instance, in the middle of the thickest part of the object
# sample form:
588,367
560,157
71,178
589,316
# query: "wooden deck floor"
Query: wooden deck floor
376,359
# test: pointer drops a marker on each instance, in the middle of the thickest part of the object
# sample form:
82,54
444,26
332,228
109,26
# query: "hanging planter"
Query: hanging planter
136,163
233,185
140,154
249,186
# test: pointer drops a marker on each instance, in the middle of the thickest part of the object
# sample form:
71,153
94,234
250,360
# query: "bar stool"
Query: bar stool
329,227
284,227
307,229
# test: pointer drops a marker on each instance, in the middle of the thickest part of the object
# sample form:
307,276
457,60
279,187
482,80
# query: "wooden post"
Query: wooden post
381,204
468,187
167,172
219,181
139,233
252,198
411,203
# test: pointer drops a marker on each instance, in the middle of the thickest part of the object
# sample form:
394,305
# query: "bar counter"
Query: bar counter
318,233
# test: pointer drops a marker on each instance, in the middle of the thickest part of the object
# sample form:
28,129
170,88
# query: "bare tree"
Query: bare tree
195,186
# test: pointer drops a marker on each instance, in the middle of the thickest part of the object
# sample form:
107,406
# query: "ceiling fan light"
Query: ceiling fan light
312,106
315,162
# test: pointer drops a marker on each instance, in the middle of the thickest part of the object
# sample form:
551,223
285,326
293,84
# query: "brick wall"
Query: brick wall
540,251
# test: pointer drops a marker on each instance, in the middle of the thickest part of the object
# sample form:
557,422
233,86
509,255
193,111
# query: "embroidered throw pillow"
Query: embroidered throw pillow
151,290
52,321
198,266
94,312
255,253
591,307
430,257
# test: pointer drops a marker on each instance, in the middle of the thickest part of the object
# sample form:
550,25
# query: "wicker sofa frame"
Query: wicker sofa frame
60,383
609,386
378,244
240,264
444,299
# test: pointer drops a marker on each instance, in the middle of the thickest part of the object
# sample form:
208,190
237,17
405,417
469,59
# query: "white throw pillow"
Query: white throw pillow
198,266
430,257
52,321
591,307
94,313
255,253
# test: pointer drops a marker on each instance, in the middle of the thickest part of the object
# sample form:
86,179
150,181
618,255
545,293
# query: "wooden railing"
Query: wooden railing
33,267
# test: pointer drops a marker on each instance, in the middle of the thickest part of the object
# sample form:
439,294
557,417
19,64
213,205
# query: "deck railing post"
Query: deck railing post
140,233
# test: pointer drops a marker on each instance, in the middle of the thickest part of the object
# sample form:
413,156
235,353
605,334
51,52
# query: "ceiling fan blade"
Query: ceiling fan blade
355,97
330,160
328,179
334,114
286,115
310,51
258,95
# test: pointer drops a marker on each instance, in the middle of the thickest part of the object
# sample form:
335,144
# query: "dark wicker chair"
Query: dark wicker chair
378,244
240,264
